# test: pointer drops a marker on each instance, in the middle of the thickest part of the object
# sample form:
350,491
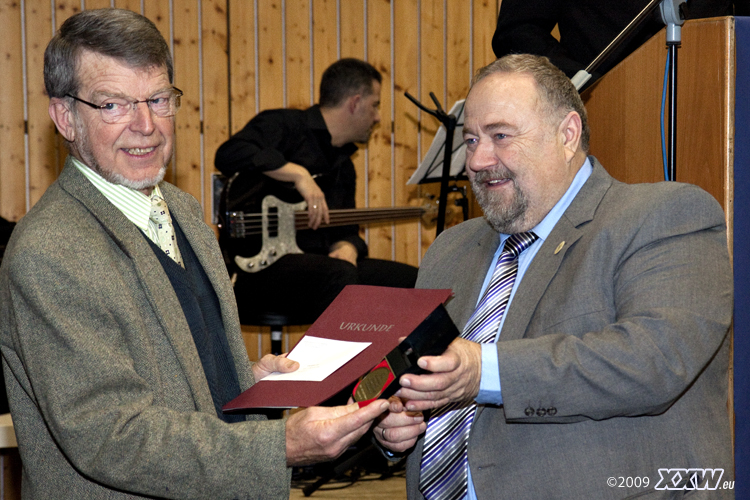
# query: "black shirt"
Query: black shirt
278,136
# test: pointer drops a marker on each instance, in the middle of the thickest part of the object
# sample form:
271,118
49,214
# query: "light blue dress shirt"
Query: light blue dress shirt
489,385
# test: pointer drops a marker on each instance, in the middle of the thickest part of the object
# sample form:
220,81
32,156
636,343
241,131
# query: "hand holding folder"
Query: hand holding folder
378,315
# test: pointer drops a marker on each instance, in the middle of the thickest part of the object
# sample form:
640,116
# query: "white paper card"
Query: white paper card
318,358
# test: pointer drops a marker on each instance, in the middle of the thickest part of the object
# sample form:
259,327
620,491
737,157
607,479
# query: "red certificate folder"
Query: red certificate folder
380,315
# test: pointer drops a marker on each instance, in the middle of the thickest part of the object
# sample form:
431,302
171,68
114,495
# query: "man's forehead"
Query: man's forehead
502,92
95,67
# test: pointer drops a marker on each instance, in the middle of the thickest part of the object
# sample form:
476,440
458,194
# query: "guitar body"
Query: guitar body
256,218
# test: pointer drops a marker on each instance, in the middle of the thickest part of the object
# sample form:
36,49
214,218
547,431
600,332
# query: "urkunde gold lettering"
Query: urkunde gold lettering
365,327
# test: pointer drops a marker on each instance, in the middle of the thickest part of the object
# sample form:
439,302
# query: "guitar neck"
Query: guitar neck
349,216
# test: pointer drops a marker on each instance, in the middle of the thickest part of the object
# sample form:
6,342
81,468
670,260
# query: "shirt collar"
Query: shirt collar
317,123
135,205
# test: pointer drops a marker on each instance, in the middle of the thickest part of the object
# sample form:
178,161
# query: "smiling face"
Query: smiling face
134,153
519,159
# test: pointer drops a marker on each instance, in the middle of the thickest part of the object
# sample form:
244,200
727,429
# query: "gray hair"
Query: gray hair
117,33
559,96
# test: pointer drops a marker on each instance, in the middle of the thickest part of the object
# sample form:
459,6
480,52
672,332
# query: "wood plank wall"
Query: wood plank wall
234,58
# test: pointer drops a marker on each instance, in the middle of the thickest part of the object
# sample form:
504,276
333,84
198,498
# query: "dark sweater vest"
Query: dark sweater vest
203,314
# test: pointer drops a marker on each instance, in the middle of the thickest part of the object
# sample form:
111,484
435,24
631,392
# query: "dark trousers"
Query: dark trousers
303,285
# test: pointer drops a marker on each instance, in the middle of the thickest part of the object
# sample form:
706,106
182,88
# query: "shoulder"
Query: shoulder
279,115
669,203
467,236
179,200
57,233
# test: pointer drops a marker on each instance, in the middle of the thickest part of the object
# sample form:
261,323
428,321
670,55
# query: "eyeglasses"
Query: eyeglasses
120,109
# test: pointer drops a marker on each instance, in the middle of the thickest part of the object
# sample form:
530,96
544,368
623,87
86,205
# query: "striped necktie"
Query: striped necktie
445,461
161,224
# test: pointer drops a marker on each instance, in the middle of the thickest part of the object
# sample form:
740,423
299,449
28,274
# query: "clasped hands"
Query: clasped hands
318,434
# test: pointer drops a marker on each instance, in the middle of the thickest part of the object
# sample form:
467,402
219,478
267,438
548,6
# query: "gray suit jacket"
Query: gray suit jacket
613,357
107,392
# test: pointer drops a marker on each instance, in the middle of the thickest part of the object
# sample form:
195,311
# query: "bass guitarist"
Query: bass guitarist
307,154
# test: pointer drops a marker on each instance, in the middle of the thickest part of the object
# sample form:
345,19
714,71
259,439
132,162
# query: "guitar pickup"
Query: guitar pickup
237,224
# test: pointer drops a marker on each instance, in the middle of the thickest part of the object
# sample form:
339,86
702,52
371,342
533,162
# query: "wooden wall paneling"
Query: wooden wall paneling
159,13
458,51
344,36
134,5
298,88
624,113
270,56
352,28
242,61
63,10
704,95
12,148
379,162
188,158
243,29
215,83
484,23
326,36
458,72
44,165
298,63
432,79
405,130
100,4
270,78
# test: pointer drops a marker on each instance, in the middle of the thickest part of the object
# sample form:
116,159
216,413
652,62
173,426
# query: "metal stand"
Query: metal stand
673,17
673,14
449,121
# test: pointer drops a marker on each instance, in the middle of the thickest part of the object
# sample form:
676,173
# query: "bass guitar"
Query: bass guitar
254,239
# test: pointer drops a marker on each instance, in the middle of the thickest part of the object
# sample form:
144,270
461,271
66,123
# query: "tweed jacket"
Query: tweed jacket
106,388
613,357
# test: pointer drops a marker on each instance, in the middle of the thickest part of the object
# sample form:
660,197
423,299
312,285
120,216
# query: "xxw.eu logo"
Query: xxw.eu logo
692,479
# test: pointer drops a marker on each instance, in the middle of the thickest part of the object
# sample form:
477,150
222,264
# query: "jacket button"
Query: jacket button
551,411
529,411
540,412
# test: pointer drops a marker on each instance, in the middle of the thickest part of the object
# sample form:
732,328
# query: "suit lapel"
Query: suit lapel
151,275
548,260
467,295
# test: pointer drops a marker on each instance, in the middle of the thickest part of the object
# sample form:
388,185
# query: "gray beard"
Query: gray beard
505,216
83,148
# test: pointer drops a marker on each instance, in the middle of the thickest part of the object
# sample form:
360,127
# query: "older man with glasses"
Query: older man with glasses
119,328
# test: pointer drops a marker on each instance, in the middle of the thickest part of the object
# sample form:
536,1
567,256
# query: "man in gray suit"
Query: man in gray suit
607,376
119,329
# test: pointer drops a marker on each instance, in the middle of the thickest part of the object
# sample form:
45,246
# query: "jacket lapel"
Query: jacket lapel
548,260
468,295
151,275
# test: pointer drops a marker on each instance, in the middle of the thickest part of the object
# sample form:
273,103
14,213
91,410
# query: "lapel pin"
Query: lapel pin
559,247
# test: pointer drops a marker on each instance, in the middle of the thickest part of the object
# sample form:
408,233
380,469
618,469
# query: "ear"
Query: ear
62,115
570,131
353,102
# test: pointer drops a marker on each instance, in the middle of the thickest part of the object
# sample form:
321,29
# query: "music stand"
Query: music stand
442,164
